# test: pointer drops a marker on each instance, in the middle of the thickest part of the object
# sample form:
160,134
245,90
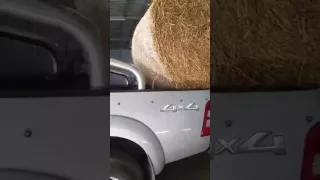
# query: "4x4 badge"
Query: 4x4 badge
176,108
253,145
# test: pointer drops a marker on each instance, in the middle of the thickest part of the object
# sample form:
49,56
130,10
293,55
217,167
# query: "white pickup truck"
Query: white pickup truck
55,102
266,135
150,128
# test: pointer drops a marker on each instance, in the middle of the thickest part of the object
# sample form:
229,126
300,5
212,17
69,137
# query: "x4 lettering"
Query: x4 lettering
253,145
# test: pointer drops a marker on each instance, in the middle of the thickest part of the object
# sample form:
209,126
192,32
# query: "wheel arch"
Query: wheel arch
139,134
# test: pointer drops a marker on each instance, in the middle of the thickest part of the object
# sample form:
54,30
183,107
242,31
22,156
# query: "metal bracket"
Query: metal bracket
124,66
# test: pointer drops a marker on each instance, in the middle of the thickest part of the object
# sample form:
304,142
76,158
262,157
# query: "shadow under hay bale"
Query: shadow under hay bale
265,44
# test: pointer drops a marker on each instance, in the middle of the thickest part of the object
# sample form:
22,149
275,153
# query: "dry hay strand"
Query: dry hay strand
181,37
272,43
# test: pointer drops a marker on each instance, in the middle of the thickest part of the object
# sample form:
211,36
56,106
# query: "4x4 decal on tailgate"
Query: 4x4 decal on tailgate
253,145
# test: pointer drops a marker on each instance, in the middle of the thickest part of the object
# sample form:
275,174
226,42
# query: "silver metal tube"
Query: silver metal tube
39,12
139,76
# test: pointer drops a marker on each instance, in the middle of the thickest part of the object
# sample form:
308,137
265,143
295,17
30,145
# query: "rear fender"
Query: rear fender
133,130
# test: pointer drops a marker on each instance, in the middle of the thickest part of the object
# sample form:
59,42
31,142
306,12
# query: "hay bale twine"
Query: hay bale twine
171,44
266,44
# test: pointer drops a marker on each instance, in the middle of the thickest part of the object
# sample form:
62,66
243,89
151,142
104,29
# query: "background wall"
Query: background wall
124,17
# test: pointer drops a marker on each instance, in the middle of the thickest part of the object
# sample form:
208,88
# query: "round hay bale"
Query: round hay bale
171,44
265,44
145,57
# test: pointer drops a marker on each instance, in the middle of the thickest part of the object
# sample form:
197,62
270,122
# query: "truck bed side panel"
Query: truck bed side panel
281,114
178,132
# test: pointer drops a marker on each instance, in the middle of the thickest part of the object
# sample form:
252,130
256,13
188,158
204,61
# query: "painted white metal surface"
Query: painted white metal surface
178,132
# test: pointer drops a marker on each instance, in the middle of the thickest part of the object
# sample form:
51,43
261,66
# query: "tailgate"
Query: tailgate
262,135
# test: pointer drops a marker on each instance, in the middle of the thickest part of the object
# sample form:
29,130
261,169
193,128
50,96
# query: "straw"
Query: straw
181,37
265,43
